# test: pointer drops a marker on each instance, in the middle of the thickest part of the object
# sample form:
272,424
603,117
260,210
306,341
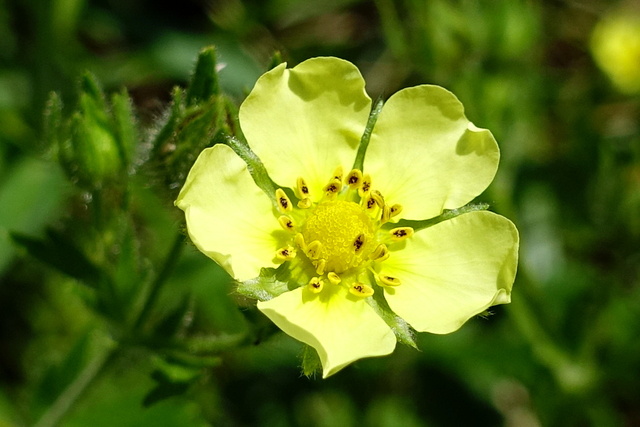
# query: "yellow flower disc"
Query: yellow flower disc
344,231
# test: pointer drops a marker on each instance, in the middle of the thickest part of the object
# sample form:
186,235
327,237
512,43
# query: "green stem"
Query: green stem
76,389
167,268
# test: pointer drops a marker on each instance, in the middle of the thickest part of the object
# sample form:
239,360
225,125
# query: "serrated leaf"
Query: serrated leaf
271,283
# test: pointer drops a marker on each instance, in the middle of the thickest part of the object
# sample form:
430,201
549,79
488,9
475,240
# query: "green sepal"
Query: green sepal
254,164
311,364
403,331
54,126
275,60
446,214
271,283
204,81
366,136
124,125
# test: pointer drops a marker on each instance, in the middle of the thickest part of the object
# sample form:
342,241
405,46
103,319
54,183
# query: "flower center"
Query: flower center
344,231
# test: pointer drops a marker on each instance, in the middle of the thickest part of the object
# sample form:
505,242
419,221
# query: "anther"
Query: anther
302,189
315,285
286,254
287,223
369,203
284,204
389,280
334,278
377,196
354,179
358,243
386,214
361,290
401,233
299,240
304,203
332,188
320,266
380,253
366,185
337,174
395,210
313,249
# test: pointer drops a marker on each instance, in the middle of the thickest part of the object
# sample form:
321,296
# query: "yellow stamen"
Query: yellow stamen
354,179
361,290
332,188
389,280
337,174
302,189
386,214
284,204
286,254
366,185
299,240
369,203
313,249
287,223
304,203
320,266
377,196
315,285
380,253
334,278
395,210
401,233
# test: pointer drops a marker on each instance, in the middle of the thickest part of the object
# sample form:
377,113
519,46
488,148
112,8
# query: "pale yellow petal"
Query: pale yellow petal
426,156
307,120
453,270
341,327
228,217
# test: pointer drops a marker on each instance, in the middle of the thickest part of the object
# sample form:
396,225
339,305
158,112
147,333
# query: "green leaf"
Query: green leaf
204,82
60,253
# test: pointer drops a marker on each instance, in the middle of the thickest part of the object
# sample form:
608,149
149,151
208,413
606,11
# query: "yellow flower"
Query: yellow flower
615,45
346,227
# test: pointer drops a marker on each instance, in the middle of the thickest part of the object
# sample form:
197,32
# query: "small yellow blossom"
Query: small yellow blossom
347,220
615,44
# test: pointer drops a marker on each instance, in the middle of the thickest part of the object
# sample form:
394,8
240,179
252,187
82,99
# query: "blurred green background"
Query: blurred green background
108,317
